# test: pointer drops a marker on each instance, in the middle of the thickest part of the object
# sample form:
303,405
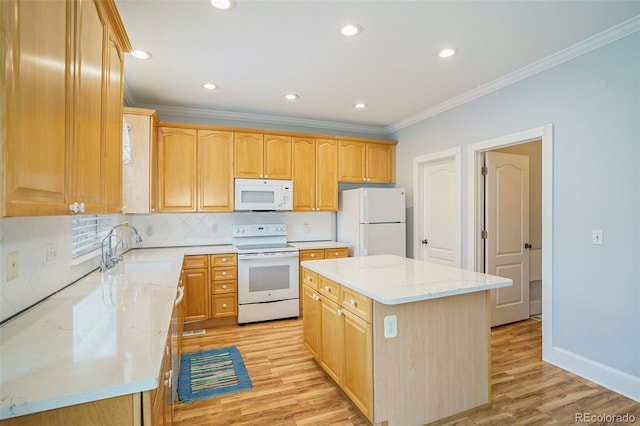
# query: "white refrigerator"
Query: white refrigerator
372,221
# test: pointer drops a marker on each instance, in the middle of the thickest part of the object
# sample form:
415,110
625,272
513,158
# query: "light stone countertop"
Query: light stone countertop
101,337
394,280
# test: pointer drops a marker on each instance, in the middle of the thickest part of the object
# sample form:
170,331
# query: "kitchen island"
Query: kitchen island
407,341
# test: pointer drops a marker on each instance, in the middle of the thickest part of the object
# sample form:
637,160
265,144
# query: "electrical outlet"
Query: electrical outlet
12,265
215,227
307,228
390,326
149,230
49,254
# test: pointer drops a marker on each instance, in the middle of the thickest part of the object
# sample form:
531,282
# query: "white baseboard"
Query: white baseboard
611,378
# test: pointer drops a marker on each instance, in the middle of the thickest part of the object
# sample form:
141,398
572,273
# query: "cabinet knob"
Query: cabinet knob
224,286
337,254
224,273
313,255
315,297
339,312
224,260
352,302
309,278
327,288
224,306
82,208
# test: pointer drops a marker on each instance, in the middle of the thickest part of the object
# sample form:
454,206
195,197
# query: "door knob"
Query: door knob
527,245
425,241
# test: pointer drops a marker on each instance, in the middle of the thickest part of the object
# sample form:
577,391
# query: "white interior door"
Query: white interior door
507,226
439,214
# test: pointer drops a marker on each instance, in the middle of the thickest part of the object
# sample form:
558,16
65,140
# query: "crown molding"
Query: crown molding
608,36
260,118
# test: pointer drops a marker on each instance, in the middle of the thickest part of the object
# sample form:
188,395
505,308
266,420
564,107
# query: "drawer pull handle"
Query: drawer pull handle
313,255
337,254
309,278
224,286
224,273
327,288
224,306
224,260
352,302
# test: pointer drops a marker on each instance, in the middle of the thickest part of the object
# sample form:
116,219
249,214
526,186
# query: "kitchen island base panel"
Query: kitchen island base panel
438,365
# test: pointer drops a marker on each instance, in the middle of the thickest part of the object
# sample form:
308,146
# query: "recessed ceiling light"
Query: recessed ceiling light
447,52
350,30
210,86
291,96
360,105
223,4
140,54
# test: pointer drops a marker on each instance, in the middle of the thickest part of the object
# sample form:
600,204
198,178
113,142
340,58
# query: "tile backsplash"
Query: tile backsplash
38,277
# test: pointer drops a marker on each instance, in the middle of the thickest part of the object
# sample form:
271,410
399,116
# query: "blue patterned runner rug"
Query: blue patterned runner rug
212,373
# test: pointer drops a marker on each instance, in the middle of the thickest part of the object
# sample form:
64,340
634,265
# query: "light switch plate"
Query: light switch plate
12,266
390,326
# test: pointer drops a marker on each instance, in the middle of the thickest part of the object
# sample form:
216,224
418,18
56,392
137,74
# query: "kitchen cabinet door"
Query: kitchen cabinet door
358,362
87,143
215,171
326,175
352,161
312,305
248,155
196,294
332,346
304,174
277,157
113,126
380,163
176,170
35,116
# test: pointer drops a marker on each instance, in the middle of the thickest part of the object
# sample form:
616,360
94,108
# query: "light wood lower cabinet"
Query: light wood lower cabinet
195,278
339,334
319,254
224,285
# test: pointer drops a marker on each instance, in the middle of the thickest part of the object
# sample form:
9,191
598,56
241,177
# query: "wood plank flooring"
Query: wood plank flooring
290,389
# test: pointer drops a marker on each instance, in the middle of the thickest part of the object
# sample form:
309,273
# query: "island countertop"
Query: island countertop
394,280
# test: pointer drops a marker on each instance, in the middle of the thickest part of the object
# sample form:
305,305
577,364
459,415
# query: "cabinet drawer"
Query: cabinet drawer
225,259
356,303
329,288
309,278
224,305
311,254
336,252
226,273
195,262
224,287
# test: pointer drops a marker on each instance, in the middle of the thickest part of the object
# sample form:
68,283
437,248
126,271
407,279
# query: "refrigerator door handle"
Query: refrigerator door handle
365,233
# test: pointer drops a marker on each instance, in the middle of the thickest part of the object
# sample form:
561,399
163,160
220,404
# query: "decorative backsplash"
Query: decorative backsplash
43,245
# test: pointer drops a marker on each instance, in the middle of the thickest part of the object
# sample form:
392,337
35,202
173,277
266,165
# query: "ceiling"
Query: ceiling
260,50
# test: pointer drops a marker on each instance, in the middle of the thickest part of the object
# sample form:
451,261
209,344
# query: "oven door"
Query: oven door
267,277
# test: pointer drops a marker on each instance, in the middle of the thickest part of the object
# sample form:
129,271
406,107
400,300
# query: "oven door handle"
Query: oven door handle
260,256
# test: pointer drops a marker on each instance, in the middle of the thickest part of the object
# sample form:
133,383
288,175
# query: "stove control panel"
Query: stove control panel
260,230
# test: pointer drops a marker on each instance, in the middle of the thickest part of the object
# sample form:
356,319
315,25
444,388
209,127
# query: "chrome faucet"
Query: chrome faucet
107,258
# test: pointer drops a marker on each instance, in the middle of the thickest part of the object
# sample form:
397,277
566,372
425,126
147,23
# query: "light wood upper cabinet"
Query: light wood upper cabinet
64,73
260,156
176,169
366,162
315,182
277,157
113,126
139,175
35,114
215,171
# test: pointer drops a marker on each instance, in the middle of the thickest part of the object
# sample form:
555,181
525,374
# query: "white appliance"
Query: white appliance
263,195
267,273
372,221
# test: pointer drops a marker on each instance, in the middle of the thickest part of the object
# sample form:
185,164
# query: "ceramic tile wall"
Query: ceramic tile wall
193,229
28,236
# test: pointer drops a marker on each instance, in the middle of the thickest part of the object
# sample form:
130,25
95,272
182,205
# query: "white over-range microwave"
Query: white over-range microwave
263,195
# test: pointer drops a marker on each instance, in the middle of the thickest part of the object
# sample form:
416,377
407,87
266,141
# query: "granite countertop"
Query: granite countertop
393,280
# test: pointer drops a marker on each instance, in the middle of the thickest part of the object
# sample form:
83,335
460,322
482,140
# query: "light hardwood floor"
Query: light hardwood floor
290,389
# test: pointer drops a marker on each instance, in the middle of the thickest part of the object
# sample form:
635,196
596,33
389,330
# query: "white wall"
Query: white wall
593,102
